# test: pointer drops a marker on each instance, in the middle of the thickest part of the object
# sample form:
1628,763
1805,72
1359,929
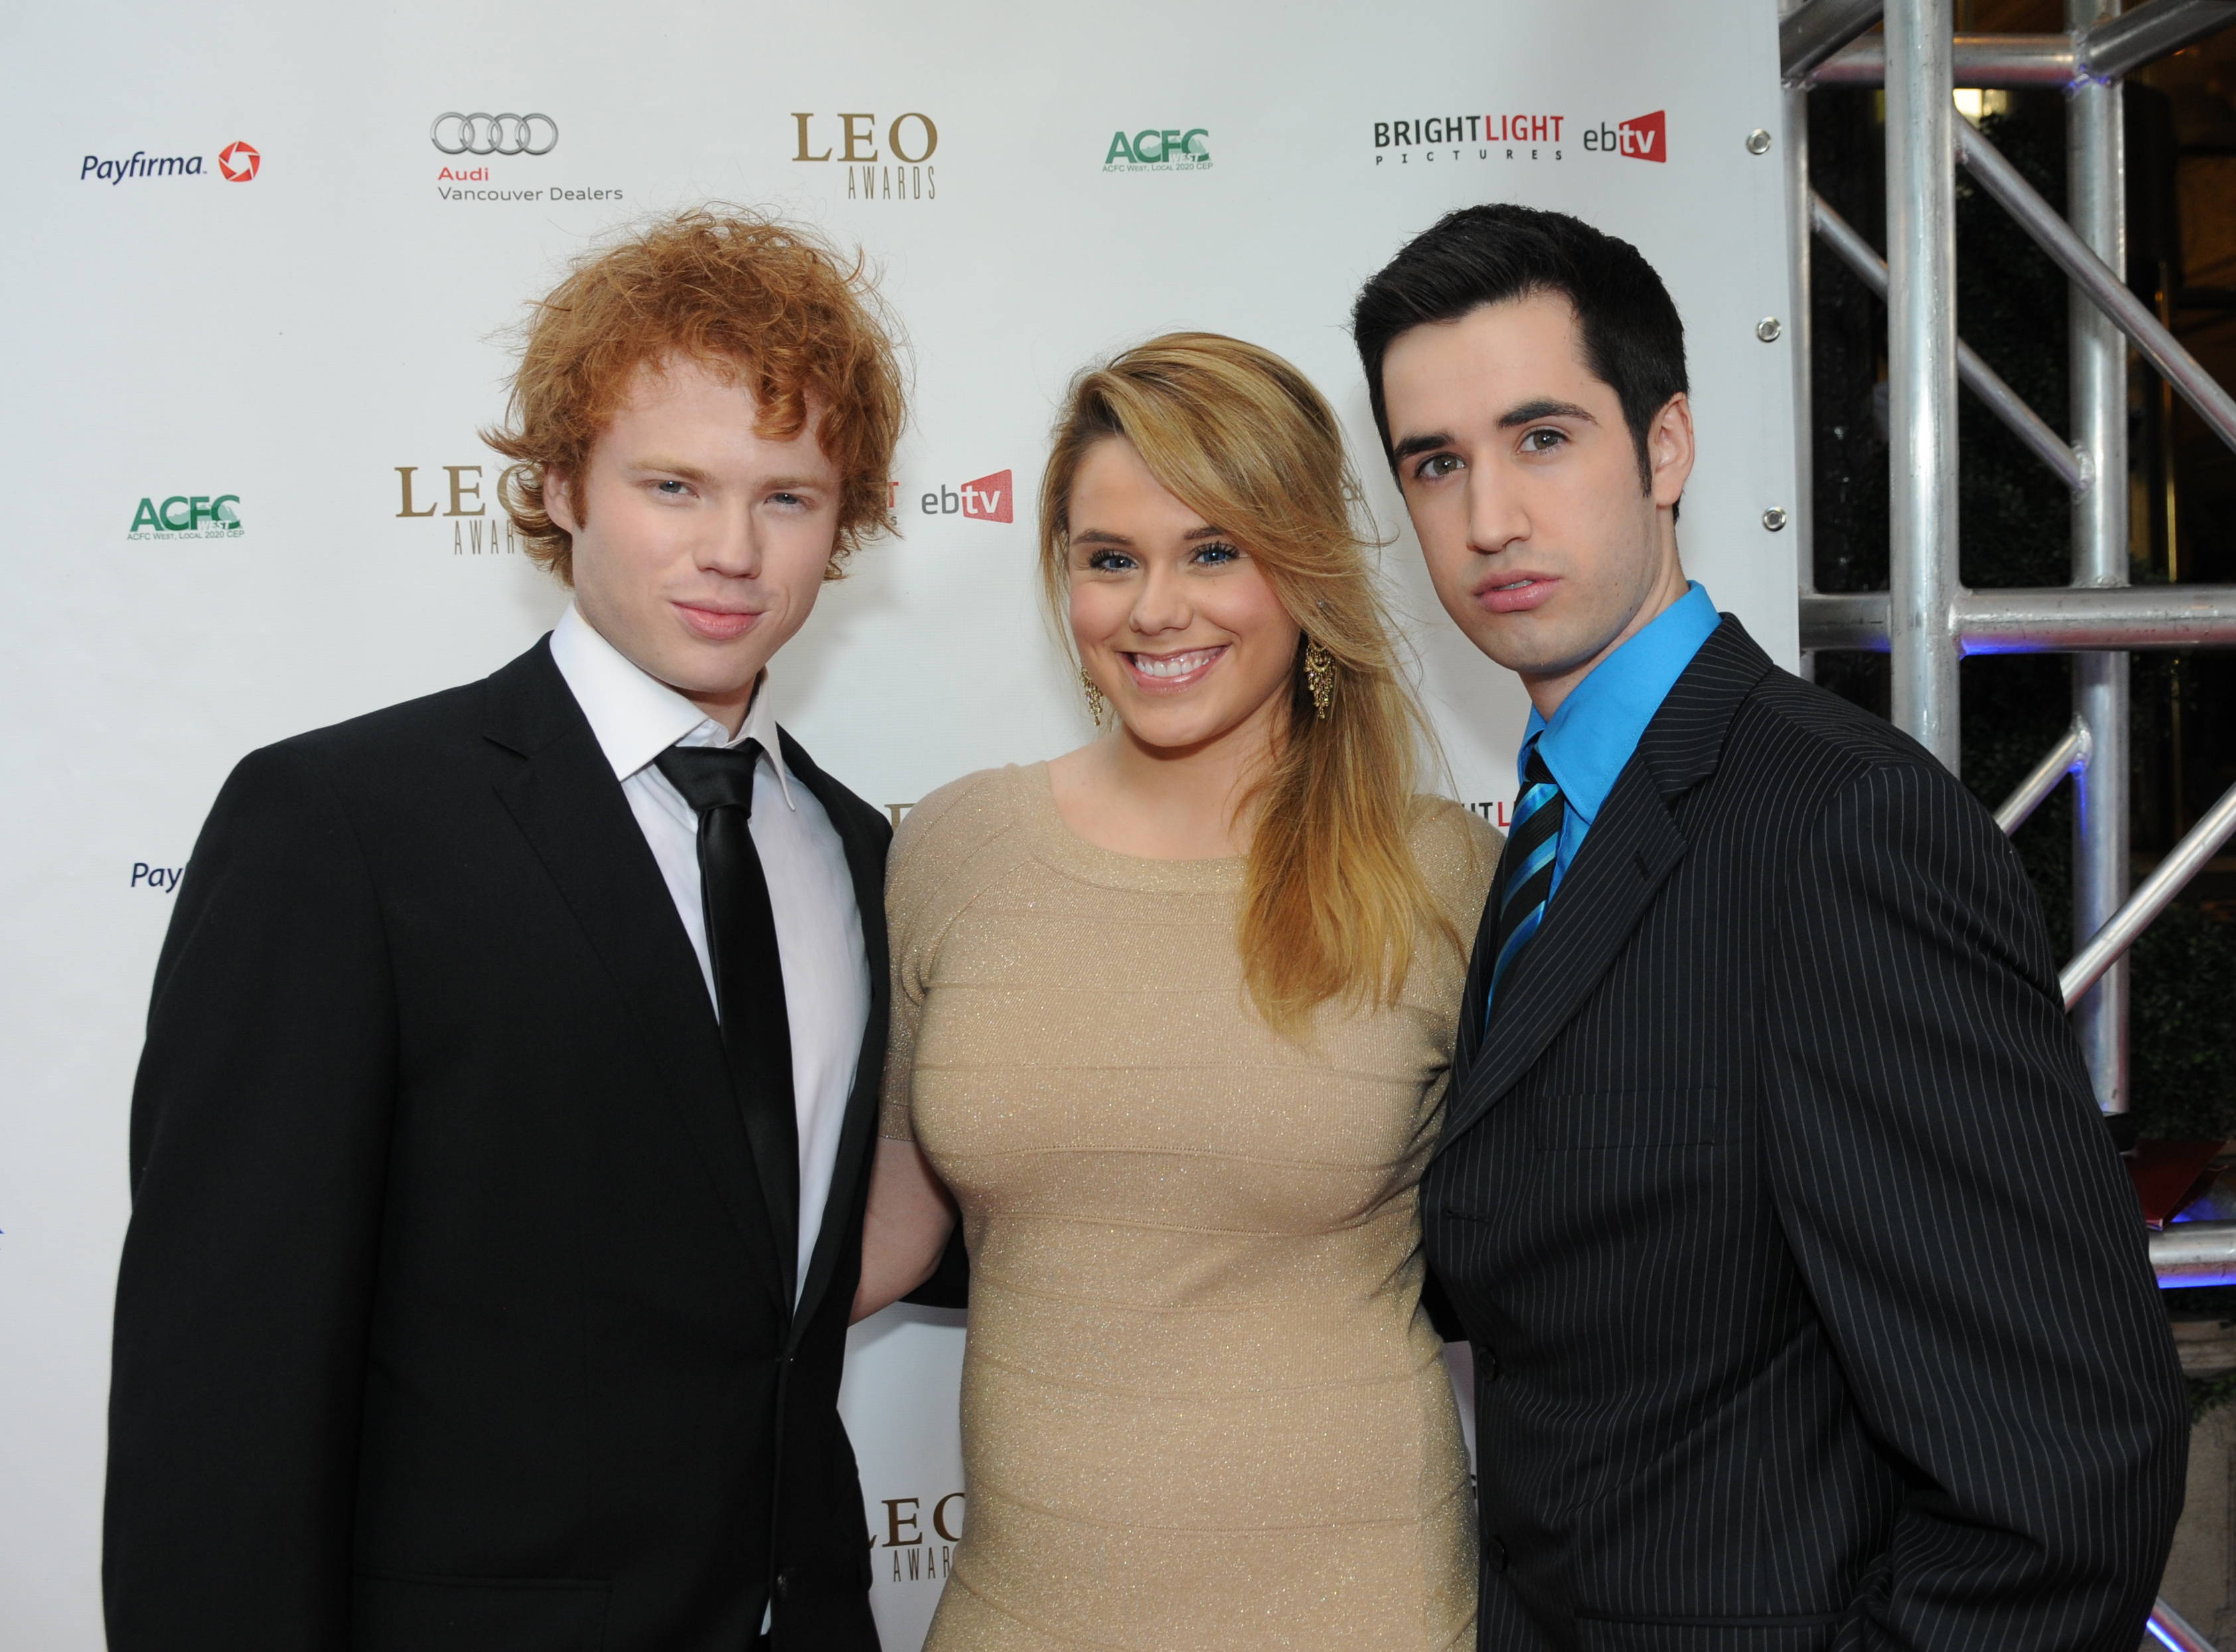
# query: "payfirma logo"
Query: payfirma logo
1153,150
1518,136
896,166
236,163
187,516
990,499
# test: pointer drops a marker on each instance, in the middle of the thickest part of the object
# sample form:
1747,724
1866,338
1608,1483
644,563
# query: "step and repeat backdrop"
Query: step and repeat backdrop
263,267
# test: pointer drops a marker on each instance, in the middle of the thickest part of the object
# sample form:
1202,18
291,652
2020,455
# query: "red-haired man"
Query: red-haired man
499,1142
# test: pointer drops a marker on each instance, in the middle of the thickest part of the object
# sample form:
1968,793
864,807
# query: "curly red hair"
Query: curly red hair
769,303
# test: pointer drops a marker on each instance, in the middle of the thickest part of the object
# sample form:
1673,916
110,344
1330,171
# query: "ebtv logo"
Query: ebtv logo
1645,138
987,499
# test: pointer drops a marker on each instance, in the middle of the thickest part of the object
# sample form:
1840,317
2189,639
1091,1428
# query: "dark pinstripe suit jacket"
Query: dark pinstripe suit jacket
1811,1309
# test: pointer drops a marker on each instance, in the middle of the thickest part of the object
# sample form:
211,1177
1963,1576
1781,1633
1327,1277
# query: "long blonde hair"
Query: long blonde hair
1335,903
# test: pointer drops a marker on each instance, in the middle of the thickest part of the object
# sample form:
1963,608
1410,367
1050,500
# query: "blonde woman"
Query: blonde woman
1172,1016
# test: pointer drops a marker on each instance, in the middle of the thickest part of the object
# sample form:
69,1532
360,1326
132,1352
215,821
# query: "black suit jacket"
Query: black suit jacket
1811,1308
451,1317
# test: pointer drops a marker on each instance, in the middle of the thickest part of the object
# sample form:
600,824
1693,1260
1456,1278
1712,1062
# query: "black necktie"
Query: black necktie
1525,876
748,970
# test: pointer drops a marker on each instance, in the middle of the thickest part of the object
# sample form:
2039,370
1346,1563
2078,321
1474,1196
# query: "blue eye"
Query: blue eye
1109,561
674,490
1218,553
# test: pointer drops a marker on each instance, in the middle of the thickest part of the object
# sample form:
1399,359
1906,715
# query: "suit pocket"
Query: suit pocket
1588,1120
476,1615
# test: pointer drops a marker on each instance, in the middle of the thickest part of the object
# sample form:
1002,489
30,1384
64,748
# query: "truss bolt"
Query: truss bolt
1767,329
1758,141
1775,518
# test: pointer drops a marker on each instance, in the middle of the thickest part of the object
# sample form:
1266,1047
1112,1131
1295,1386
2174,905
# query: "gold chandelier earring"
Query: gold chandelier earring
1094,702
1319,677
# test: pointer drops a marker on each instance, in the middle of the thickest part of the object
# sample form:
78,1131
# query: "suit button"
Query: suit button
1494,1553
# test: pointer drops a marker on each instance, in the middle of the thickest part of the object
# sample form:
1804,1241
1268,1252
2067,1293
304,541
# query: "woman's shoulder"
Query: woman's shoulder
960,812
1457,850
952,828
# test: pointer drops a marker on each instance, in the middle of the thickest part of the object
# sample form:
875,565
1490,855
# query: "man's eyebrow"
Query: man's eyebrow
1427,442
655,462
1544,407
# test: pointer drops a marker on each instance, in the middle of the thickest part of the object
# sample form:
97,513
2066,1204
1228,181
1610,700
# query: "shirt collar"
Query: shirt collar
634,716
1592,735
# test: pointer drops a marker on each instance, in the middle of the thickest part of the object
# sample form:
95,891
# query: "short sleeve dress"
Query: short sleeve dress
1202,1406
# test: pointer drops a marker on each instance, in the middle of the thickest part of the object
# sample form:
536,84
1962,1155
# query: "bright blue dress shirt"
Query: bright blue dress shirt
1591,736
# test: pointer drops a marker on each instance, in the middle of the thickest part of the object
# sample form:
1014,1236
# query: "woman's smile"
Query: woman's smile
1170,673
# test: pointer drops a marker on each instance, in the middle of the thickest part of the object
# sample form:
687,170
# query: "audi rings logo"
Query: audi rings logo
457,134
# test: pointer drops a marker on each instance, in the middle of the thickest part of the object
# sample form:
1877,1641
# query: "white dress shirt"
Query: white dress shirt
818,924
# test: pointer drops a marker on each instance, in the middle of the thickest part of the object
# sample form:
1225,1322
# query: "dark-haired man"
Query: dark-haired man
1809,1305
502,1135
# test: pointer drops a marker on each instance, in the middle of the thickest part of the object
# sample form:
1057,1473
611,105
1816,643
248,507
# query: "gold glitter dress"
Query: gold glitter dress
1202,1406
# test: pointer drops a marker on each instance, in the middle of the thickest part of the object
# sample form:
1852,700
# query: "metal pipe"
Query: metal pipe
1921,213
1813,32
2089,272
2173,1631
2190,1253
1979,60
2053,620
2064,619
1975,374
2068,756
1800,307
2095,193
2122,45
2152,896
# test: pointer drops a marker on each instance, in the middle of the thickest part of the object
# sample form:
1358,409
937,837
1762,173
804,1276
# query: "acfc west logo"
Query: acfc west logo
1156,150
187,516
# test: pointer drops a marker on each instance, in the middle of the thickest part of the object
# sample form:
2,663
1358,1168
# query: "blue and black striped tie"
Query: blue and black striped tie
1525,879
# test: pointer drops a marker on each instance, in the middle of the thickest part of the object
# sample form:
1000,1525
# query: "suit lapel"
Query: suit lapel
1630,849
1634,845
559,787
866,843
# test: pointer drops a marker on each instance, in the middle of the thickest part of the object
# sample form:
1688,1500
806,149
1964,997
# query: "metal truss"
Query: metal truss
1927,620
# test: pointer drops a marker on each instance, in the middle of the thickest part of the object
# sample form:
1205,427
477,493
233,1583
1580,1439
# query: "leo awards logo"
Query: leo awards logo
988,499
1154,149
888,161
236,163
464,498
187,515
920,1542
1522,135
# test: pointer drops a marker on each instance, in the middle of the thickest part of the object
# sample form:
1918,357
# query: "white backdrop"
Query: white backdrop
241,291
